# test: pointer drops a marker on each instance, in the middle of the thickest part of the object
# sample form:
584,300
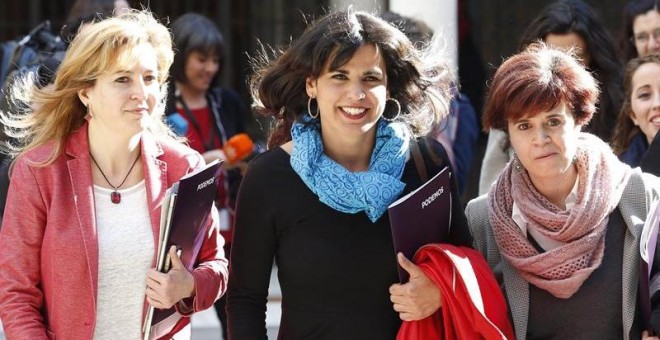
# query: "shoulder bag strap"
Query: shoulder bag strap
419,161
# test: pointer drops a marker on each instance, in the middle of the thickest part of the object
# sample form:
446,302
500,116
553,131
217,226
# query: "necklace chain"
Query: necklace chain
106,178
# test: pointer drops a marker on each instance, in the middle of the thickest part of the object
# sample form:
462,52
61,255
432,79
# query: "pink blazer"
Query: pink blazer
49,248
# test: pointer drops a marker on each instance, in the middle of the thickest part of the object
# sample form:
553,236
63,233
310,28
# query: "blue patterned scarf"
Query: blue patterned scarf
351,192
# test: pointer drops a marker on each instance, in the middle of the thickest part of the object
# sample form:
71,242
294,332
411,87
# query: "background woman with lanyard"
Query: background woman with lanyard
213,115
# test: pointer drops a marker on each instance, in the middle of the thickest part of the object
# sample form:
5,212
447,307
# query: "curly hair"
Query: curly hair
418,79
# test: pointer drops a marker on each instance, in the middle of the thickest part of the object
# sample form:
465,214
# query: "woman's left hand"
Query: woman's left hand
211,155
164,290
419,297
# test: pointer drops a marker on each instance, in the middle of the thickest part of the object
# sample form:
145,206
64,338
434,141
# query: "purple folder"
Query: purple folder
186,210
421,217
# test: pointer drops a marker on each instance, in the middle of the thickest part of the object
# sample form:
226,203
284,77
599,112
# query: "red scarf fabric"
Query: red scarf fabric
473,306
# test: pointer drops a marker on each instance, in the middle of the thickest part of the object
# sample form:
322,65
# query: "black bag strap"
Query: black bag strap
419,161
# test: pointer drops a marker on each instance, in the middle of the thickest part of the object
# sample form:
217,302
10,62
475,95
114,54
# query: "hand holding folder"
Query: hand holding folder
164,289
426,298
185,214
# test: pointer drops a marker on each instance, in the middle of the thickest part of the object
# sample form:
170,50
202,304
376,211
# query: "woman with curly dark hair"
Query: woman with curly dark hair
349,97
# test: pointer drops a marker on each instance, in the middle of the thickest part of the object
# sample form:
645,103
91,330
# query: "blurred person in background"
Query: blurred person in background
639,118
459,130
569,25
211,114
640,28
84,12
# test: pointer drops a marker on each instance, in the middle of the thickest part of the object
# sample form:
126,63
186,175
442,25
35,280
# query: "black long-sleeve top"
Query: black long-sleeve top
334,268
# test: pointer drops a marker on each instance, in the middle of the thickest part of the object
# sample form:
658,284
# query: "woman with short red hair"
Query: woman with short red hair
557,226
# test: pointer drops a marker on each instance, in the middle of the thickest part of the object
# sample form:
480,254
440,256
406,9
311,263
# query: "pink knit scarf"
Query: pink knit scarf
560,271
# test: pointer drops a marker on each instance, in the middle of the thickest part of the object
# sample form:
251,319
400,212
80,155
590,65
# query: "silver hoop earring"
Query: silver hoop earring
398,112
309,108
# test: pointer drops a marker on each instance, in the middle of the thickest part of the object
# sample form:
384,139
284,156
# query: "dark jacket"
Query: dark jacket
650,162
633,155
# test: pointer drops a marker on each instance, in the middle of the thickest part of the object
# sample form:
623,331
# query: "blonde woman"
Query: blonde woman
83,213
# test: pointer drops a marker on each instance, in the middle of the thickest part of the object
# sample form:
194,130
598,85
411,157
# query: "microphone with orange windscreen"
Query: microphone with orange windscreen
238,147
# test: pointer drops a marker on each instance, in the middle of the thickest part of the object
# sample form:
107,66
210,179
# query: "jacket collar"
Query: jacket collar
156,181
80,173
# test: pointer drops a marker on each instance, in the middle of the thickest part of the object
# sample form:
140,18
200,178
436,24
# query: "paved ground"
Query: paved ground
207,327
